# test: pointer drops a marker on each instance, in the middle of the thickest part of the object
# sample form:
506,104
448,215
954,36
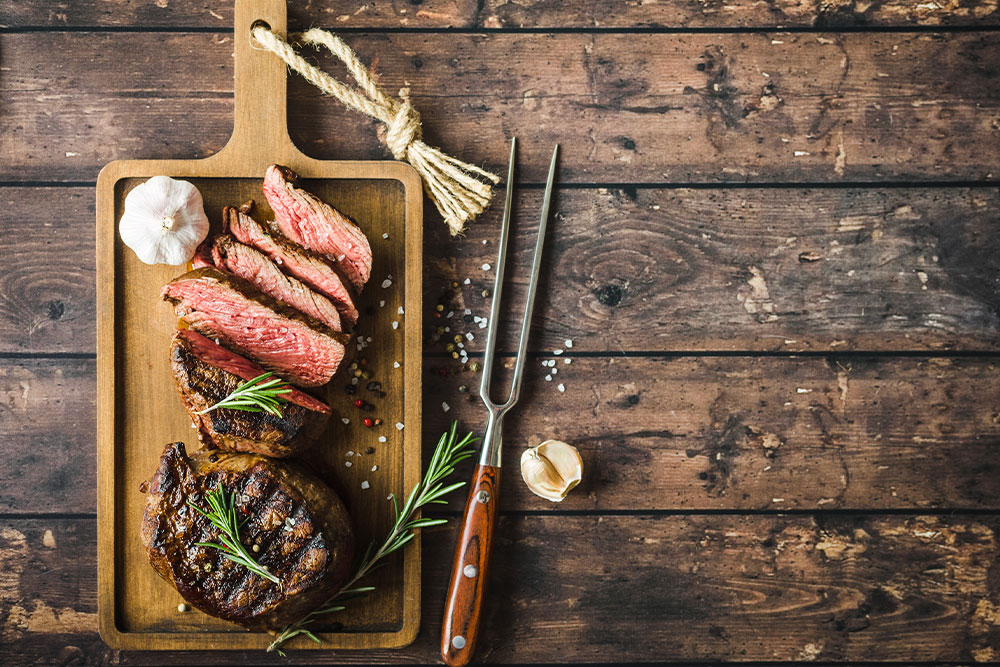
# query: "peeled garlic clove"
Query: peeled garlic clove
164,221
551,469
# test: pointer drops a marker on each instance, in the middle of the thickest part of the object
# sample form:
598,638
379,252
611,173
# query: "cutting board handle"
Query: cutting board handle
260,131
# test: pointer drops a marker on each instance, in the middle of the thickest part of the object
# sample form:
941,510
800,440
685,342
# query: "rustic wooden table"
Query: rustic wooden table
775,252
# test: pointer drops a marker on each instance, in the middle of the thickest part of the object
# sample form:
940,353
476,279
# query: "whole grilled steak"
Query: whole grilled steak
300,527
253,266
296,347
312,223
206,372
312,269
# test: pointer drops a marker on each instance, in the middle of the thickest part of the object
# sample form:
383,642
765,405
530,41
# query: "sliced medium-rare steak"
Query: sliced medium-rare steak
312,269
299,526
205,373
313,224
253,266
295,346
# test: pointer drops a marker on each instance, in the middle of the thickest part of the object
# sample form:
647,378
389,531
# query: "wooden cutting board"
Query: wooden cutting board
138,408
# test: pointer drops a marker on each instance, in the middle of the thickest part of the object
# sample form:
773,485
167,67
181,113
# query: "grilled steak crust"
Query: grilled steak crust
204,376
301,526
312,223
248,263
312,269
295,346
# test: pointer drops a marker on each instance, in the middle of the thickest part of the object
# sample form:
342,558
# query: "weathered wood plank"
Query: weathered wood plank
47,299
627,108
665,434
633,269
492,14
47,431
766,588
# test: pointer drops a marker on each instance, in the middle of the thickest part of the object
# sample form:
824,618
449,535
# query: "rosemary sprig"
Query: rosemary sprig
257,395
448,452
222,514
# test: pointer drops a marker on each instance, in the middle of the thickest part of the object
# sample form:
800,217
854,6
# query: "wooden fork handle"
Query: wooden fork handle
471,568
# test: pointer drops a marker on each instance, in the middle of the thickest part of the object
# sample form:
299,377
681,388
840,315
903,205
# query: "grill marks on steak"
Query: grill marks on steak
296,347
312,269
300,525
253,266
205,373
312,223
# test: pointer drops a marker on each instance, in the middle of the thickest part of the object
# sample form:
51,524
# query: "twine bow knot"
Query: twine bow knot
454,186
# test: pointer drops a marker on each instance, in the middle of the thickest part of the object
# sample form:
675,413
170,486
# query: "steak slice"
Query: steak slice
253,266
312,269
313,224
301,527
205,373
295,346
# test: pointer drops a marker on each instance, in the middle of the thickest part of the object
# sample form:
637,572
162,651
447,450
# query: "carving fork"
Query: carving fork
471,568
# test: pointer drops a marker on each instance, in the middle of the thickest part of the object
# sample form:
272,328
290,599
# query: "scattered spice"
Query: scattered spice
368,422
365,484
182,607
358,403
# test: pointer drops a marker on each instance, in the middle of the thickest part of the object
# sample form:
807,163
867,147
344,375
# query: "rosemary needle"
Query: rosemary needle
261,394
222,514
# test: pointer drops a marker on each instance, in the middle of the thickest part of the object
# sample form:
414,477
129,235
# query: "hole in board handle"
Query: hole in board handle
254,44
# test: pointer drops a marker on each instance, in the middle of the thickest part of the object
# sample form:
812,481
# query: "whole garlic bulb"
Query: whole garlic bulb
551,469
164,221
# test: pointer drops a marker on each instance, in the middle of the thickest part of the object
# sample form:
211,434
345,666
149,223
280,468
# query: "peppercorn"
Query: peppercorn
437,315
450,347
463,388
474,367
349,389
440,307
370,450
440,331
467,318
354,365
367,421
363,362
366,375
454,355
486,294
358,403
378,421
458,338
357,373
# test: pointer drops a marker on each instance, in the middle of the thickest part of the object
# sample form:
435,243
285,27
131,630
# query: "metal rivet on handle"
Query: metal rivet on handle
470,571
483,497
458,641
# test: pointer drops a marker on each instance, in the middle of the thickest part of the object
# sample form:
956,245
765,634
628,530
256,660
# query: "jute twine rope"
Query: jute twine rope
451,184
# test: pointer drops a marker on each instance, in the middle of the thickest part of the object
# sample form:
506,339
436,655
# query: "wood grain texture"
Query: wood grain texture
493,14
627,108
600,589
664,434
842,270
465,601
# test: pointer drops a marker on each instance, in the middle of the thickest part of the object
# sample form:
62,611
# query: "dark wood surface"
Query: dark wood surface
774,249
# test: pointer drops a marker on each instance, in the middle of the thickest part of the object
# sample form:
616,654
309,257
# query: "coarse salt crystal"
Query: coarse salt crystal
548,378
557,352
451,314
369,339
374,468
399,311
365,485
467,281
469,336
486,267
568,343
483,322
386,283
350,453
485,241
348,464
345,420
399,426
468,311
477,319
395,324
354,380
395,364
381,438
567,360
561,388
555,370
381,304
445,406
385,236
447,329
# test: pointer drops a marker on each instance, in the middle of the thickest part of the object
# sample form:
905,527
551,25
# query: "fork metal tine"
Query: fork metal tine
491,337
